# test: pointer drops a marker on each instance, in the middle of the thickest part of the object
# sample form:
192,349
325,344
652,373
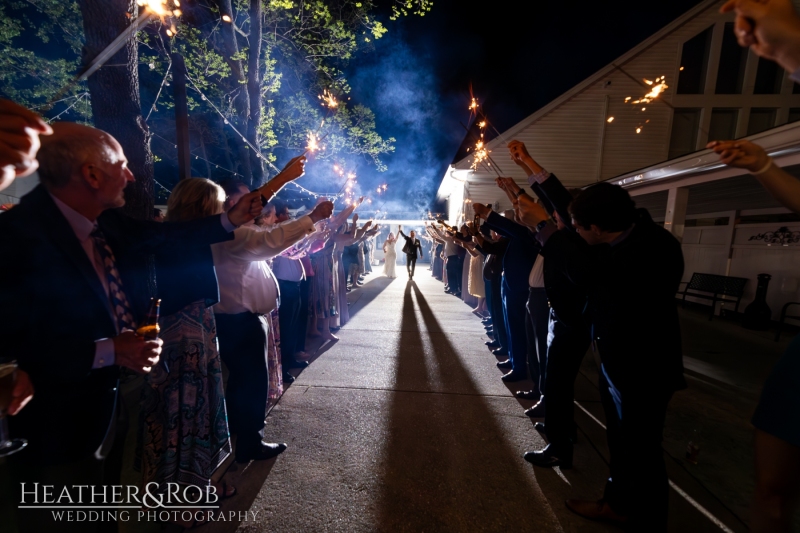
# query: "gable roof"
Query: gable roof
600,74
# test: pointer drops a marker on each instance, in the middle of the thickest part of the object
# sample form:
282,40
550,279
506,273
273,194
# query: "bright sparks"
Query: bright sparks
226,18
658,85
313,142
473,106
161,9
657,88
610,120
328,100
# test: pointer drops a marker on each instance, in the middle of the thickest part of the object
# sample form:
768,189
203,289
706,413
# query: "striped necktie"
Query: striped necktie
119,302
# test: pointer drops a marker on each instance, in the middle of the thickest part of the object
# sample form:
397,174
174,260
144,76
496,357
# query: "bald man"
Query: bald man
74,284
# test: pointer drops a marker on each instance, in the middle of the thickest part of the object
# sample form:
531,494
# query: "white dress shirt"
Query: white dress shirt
246,283
536,277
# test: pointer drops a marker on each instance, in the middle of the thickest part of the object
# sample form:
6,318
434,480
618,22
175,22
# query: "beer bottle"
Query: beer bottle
150,328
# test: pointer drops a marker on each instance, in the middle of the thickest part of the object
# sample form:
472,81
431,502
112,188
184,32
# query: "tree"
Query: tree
116,103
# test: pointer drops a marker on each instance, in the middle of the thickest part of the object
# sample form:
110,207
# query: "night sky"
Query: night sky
516,58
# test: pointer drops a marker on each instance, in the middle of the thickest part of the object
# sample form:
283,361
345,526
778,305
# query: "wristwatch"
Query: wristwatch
540,226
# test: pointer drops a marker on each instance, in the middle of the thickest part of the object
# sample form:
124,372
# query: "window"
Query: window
794,114
694,63
732,61
704,222
761,119
685,123
769,77
723,124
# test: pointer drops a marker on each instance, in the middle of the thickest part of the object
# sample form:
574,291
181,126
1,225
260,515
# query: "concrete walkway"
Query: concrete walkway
404,425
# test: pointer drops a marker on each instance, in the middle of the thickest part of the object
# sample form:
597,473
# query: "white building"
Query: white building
716,90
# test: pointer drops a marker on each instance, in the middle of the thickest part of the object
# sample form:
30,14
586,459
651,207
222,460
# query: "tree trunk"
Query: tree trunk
114,89
254,90
238,81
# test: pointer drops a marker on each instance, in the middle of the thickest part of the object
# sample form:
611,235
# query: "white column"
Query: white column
677,201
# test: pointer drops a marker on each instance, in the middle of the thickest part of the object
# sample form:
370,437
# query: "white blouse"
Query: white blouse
246,283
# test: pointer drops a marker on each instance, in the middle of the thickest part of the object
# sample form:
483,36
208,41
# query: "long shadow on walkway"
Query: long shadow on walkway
446,465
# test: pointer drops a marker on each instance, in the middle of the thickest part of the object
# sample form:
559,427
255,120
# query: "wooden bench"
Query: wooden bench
719,287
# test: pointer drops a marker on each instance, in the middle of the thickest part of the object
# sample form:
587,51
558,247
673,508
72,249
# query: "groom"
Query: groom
410,249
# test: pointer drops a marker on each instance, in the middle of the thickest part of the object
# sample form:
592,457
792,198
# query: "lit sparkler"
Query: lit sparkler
328,100
313,142
657,88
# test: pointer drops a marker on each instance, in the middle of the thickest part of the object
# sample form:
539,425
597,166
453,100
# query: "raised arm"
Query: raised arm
784,187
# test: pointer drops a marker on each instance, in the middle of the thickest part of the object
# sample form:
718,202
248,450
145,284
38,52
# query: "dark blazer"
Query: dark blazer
520,254
411,246
566,288
631,302
186,275
53,307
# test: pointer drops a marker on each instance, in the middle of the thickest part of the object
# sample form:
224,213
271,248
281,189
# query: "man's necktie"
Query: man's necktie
119,302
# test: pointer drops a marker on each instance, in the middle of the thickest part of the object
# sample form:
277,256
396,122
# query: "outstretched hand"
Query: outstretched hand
740,154
481,210
246,209
771,28
19,141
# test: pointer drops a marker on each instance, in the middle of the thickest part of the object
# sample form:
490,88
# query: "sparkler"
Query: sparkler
481,153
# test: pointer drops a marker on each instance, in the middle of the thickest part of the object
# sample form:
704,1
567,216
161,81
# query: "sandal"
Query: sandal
224,490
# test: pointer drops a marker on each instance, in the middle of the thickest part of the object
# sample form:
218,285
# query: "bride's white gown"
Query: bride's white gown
391,260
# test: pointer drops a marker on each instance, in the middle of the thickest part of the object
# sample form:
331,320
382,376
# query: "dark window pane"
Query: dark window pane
769,77
685,123
723,124
732,61
694,63
794,114
761,119
701,222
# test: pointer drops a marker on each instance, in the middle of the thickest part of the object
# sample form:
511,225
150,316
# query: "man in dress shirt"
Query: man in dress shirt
290,274
248,291
74,284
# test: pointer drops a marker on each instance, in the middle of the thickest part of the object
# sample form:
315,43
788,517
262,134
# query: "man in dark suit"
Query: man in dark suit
74,282
517,264
631,275
410,249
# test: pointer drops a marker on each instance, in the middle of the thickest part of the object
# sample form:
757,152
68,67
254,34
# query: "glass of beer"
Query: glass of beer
8,378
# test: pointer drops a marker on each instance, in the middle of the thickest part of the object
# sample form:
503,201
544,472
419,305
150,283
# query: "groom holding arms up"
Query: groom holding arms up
410,249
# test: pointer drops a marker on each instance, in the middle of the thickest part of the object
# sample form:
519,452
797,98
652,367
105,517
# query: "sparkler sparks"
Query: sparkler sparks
328,100
313,142
657,88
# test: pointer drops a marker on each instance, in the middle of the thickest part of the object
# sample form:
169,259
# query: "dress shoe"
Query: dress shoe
504,364
513,376
596,510
294,363
537,411
457,295
539,426
500,352
266,451
549,457
528,394
493,345
487,320
302,356
288,379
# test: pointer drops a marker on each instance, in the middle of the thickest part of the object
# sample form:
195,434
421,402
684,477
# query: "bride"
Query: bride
389,248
